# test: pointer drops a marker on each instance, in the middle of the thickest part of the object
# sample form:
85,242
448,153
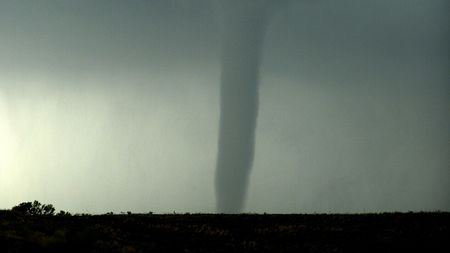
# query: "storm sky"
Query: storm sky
114,106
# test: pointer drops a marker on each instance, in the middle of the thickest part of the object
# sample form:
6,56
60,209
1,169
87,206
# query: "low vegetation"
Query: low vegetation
35,208
28,228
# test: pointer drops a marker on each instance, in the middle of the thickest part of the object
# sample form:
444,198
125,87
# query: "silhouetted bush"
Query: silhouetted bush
63,213
23,208
35,208
48,209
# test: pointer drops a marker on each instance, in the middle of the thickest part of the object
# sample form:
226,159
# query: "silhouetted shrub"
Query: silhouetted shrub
48,209
35,208
23,208
63,213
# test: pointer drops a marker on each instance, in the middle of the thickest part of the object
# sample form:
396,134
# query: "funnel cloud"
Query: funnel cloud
244,24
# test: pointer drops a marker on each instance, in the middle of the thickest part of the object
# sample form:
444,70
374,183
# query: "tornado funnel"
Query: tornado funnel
243,27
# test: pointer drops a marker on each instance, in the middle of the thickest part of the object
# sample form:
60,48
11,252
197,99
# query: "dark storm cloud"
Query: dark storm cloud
327,39
92,36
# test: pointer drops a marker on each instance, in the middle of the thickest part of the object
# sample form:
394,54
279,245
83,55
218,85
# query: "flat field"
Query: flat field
384,232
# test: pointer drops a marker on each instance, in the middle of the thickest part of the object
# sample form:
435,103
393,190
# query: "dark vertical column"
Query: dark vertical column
243,30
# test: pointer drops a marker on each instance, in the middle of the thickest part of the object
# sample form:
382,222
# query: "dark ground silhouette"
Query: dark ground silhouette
387,232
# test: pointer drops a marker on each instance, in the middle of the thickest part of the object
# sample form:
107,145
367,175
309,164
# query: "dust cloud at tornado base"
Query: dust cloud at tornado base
353,107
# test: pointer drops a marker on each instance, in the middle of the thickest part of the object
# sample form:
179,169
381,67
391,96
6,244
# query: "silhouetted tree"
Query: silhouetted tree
48,209
23,208
34,208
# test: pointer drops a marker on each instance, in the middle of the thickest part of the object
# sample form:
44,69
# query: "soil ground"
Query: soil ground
385,232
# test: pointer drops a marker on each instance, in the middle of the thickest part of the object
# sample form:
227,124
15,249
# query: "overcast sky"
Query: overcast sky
114,106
